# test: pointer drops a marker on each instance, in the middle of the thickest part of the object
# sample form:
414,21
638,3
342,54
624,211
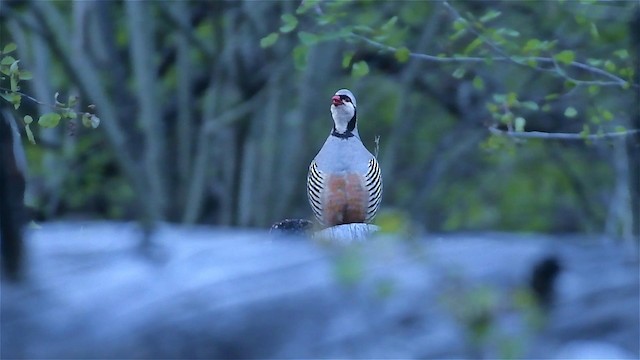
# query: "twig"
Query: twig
29,97
561,136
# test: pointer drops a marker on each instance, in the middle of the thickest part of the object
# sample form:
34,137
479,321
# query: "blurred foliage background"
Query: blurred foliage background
211,111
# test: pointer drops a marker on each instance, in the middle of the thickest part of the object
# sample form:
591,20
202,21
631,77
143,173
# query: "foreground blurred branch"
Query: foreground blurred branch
561,136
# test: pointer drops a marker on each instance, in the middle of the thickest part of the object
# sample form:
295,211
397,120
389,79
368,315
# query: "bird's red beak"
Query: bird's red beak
335,100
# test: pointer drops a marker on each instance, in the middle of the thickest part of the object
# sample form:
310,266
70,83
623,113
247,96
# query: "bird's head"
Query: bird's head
343,111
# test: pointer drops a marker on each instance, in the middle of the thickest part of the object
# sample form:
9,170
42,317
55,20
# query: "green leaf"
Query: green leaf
570,112
346,59
27,129
9,48
389,24
508,32
7,96
531,45
27,119
622,54
95,121
308,39
306,5
86,119
25,75
290,23
610,66
519,124
492,14
499,98
90,120
459,73
586,130
565,57
478,83
593,89
49,120
402,54
531,105
472,46
7,60
459,24
269,40
607,115
360,69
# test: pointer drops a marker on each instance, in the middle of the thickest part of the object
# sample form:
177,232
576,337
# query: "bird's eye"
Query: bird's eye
345,98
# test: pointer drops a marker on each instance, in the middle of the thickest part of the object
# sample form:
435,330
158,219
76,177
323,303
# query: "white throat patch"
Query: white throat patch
342,114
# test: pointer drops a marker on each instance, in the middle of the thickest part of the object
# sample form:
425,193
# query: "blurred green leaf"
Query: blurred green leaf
570,112
586,131
7,60
389,24
346,59
519,124
623,54
49,120
290,23
269,40
472,46
492,14
308,38
459,24
9,48
478,83
565,57
90,120
402,54
531,105
610,66
360,69
607,115
306,5
459,73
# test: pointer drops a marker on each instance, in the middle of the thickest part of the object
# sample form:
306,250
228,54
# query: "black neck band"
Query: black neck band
345,135
350,127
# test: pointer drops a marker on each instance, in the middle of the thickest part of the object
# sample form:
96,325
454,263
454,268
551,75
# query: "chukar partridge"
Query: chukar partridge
344,184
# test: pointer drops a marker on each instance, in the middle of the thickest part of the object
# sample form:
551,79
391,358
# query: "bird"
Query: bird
344,183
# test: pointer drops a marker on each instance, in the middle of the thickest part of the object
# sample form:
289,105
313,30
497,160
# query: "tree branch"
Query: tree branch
561,136
505,57
141,50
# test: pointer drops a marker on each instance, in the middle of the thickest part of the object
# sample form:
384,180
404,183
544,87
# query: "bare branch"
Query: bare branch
561,136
